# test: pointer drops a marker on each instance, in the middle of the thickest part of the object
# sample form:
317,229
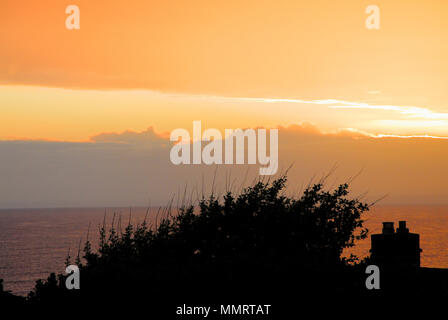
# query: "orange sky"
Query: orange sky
206,50
134,64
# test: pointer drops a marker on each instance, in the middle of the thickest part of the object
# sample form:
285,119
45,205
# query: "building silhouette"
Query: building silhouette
396,248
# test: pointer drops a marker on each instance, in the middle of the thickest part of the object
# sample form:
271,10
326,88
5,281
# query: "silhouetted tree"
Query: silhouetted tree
250,241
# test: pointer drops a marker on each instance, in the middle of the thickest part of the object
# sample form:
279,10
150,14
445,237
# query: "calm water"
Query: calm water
35,242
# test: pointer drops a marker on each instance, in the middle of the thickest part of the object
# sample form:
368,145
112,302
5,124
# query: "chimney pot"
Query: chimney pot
402,227
388,228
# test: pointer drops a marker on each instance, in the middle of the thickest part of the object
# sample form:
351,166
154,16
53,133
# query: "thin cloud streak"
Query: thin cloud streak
383,136
415,112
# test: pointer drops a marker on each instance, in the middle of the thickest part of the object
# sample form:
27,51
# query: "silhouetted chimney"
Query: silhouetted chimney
399,249
402,227
388,228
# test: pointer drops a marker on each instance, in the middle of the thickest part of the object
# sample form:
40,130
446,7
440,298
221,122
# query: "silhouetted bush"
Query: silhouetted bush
242,243
9,300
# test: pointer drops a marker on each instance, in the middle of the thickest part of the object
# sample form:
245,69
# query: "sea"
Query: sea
36,242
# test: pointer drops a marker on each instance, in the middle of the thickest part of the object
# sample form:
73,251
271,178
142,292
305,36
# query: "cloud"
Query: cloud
355,133
133,168
411,111
414,112
408,111
148,138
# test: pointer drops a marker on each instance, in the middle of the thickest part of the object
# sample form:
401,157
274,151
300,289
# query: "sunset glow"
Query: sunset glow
199,159
166,64
133,73
43,112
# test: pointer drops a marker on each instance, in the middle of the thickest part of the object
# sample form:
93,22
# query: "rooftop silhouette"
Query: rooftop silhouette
396,248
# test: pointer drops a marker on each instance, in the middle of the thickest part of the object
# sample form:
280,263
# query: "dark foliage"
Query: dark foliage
255,247
251,244
8,299
255,239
